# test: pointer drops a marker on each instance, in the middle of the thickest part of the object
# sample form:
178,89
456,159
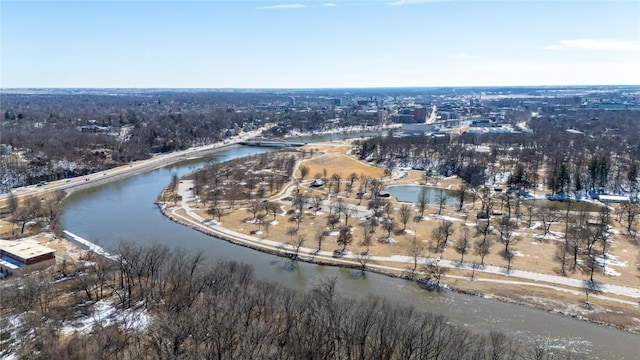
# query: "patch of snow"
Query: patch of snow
471,224
536,225
274,222
610,272
546,237
607,260
388,240
516,253
105,314
409,231
444,217
334,233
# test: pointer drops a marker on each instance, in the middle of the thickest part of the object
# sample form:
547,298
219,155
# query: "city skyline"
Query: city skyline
318,44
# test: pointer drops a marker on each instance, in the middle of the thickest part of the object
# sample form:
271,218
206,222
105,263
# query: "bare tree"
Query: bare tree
319,236
300,240
304,171
12,203
255,207
363,260
434,273
462,243
345,237
405,214
273,208
483,245
292,231
441,234
352,177
631,212
548,217
367,234
333,220
267,225
337,178
505,226
317,204
417,249
441,198
462,192
389,225
348,212
423,200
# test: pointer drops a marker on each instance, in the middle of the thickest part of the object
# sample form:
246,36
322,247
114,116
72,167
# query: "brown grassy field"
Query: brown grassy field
535,254
335,161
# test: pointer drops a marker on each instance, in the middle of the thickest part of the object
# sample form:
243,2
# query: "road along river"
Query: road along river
125,210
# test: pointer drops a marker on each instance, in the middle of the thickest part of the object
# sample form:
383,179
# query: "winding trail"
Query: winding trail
558,283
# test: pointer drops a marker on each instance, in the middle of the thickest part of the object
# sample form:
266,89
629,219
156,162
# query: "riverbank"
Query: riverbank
613,304
122,172
604,310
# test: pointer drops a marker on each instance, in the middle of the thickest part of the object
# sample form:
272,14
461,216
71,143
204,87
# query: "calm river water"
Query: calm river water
125,210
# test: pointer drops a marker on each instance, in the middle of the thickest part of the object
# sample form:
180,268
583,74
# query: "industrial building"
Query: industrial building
20,257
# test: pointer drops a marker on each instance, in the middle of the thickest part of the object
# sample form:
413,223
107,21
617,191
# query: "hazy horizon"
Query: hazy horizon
318,44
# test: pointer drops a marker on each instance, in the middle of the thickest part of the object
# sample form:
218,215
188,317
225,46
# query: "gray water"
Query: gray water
410,193
125,210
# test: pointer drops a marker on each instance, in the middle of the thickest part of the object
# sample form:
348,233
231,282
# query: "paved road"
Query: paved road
132,169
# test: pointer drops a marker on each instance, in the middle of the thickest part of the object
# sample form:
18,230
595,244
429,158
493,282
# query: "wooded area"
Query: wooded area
195,309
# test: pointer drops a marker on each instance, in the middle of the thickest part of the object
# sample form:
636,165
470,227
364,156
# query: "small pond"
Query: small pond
410,193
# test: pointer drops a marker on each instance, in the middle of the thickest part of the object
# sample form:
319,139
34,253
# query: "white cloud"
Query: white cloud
463,56
282,6
409,2
595,44
329,4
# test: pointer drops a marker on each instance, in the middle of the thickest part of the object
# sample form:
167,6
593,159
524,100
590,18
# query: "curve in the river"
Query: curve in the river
125,209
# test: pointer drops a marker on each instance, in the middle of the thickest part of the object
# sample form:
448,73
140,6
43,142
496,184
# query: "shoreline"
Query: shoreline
79,183
219,234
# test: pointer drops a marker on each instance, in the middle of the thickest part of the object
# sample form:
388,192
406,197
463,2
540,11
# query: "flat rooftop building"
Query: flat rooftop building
19,257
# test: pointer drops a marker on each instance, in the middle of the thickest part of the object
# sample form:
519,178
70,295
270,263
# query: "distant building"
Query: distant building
420,114
21,257
613,199
403,119
418,129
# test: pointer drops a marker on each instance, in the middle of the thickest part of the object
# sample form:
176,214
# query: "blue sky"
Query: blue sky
310,44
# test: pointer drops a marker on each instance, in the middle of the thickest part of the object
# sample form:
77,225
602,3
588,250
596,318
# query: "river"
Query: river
125,210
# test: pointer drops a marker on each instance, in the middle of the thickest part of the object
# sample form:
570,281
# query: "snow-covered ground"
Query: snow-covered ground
105,314
444,217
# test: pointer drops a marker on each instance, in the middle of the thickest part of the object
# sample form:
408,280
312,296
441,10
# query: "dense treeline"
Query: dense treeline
603,158
50,137
220,310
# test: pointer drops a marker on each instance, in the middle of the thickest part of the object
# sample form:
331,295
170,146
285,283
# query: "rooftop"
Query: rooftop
25,249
